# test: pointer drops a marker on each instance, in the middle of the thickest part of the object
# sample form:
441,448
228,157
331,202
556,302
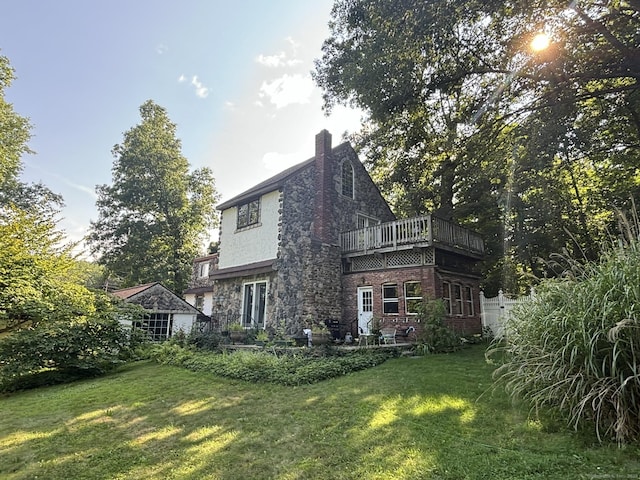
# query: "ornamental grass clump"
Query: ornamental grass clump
575,346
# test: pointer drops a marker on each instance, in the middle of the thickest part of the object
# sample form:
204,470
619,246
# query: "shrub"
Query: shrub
262,366
61,351
575,346
436,337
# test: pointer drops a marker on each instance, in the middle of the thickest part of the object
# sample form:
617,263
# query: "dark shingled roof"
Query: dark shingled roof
272,183
131,291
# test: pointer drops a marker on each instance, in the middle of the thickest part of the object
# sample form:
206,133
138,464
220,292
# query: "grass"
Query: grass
431,417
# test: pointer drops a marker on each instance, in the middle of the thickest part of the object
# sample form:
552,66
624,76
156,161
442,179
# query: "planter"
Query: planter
318,339
237,336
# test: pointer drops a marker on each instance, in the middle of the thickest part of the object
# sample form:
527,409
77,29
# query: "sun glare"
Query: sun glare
540,42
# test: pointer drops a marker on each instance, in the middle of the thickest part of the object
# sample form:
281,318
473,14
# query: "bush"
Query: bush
262,366
436,337
62,351
575,347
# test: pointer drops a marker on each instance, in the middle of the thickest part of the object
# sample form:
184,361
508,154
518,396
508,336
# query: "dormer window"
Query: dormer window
347,179
249,213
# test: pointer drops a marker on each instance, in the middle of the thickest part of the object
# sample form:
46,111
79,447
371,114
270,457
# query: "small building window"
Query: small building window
446,297
365,221
412,297
347,179
468,298
157,325
199,302
203,269
390,298
249,213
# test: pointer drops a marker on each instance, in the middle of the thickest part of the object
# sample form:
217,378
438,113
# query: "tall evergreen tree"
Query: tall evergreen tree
153,218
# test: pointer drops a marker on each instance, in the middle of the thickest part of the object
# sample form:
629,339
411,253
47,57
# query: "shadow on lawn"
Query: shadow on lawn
409,418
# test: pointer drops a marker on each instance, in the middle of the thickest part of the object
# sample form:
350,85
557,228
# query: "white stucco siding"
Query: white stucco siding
254,243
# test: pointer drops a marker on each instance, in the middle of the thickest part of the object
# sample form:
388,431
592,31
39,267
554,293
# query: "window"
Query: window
446,297
390,298
254,304
364,221
157,325
468,298
199,302
203,269
457,295
248,213
347,179
412,297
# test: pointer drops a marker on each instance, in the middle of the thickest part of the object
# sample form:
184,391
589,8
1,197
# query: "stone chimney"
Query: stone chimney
324,186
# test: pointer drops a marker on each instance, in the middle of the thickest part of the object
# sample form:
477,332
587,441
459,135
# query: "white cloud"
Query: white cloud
281,59
271,60
288,89
201,90
161,48
277,60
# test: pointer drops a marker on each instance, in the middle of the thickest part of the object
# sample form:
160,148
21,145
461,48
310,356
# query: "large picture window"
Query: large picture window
412,297
249,213
157,325
390,298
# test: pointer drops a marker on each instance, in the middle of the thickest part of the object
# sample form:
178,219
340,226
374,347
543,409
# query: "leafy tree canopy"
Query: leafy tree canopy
153,218
533,149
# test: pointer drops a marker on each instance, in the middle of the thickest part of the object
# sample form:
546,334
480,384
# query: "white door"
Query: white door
365,309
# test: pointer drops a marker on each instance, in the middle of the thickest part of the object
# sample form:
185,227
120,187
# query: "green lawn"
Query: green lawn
410,418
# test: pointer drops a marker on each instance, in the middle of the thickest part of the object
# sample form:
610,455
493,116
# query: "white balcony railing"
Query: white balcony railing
424,230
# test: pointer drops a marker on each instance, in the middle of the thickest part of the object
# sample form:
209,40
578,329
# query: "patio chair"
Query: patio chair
388,335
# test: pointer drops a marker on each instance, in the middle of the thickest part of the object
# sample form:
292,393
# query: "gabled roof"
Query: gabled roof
155,296
272,183
131,291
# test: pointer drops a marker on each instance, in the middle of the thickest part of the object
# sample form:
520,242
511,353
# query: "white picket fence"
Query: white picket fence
494,310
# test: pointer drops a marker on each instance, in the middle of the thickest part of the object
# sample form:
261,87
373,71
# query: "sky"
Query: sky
233,76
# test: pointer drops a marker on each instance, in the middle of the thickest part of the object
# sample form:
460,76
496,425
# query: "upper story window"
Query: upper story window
248,213
347,179
203,269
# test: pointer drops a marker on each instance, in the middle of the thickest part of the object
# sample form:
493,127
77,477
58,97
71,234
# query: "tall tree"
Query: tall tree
15,133
465,121
153,218
38,282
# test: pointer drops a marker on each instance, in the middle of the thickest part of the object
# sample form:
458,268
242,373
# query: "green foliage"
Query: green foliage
153,218
435,336
409,418
62,351
533,150
264,366
37,278
575,347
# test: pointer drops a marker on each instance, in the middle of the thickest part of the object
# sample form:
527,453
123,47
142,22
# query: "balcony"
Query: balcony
416,232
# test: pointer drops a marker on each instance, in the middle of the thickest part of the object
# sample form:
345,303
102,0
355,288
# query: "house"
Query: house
317,243
168,313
